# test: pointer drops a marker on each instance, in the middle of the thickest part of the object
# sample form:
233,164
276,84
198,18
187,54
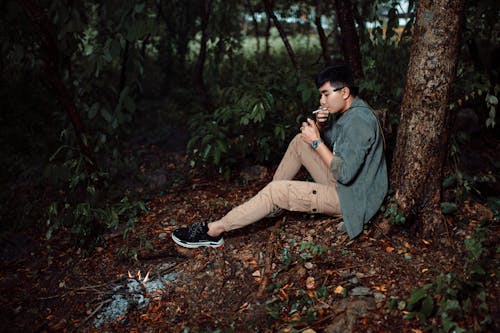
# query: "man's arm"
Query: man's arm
351,150
310,133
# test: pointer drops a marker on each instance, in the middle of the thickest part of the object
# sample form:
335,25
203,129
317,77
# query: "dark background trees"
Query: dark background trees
87,86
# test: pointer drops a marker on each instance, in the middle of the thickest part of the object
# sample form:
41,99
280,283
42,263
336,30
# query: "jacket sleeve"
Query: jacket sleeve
351,148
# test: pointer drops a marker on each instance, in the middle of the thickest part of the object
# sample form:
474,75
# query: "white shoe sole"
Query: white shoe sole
197,244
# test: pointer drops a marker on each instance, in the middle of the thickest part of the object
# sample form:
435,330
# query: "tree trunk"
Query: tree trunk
321,33
51,64
255,24
422,141
197,76
350,40
289,49
267,33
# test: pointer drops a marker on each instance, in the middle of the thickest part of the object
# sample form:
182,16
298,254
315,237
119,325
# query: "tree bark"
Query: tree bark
51,64
198,82
350,40
422,140
321,33
289,49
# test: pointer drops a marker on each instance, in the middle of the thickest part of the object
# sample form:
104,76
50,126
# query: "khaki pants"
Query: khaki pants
319,196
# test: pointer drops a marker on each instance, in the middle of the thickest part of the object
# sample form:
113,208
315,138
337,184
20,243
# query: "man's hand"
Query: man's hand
322,117
310,131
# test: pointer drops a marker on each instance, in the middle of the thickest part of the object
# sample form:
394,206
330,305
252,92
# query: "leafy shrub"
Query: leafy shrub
88,208
453,301
254,119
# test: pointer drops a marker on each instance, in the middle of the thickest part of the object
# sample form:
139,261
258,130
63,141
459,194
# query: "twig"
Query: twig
84,288
94,312
267,265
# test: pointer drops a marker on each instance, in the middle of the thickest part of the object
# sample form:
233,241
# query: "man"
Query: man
345,157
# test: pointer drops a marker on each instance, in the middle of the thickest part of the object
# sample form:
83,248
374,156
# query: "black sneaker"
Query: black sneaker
196,236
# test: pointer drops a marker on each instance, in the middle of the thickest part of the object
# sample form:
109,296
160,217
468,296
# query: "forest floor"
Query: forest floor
293,273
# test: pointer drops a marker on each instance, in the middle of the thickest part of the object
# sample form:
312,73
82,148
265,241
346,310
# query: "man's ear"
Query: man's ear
346,92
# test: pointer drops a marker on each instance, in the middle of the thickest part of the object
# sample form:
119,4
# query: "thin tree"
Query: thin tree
53,78
321,33
197,75
255,23
422,140
349,36
288,46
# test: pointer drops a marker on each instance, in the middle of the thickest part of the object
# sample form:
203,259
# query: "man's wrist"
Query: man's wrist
316,143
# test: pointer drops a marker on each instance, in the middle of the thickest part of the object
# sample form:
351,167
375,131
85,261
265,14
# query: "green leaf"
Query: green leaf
449,181
491,99
450,306
93,110
448,207
427,306
417,296
106,115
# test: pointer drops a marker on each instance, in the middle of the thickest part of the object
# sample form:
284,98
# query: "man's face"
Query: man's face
333,98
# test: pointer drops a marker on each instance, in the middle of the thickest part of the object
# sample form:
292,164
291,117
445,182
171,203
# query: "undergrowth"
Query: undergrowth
457,301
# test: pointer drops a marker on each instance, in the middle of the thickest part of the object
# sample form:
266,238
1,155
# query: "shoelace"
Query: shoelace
196,229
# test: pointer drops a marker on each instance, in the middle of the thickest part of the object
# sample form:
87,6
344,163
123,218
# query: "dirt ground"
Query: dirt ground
294,273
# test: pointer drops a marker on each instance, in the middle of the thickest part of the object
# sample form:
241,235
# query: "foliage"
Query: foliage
255,118
477,83
451,302
392,211
86,215
99,47
385,59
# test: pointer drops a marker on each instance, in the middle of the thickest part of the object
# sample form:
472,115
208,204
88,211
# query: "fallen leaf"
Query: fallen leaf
310,283
339,290
389,249
309,330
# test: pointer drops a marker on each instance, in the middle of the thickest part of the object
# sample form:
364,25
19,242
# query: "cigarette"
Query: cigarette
316,111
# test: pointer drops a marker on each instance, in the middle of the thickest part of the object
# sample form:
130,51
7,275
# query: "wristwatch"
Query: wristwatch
315,144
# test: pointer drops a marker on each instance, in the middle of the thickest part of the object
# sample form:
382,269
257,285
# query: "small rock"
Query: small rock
360,291
379,297
354,280
308,265
162,235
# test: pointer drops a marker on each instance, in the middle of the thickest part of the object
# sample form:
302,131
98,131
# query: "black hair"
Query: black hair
340,74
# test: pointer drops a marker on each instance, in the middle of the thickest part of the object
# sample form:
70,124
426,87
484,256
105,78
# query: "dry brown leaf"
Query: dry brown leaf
310,283
339,290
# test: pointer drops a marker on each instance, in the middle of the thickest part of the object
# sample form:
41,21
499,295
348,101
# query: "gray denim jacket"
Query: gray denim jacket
358,164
